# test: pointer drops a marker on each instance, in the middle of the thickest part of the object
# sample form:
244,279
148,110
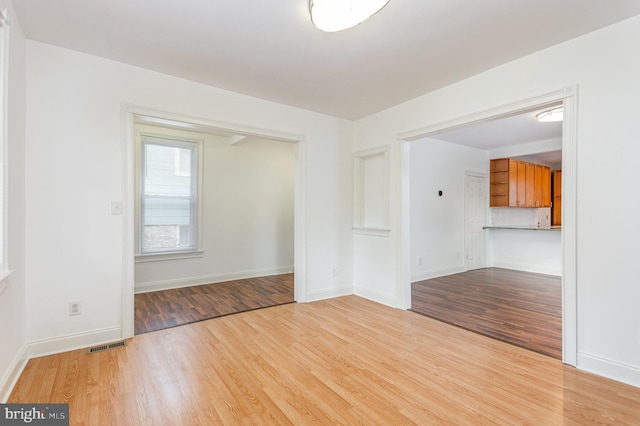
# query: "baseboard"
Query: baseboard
13,373
72,342
315,295
375,296
209,279
435,273
609,369
528,268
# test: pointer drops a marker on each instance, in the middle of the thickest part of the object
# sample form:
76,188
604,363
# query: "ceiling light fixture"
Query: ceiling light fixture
338,15
550,115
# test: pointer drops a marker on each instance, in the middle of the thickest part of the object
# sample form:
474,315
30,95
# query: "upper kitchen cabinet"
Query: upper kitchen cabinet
556,208
516,183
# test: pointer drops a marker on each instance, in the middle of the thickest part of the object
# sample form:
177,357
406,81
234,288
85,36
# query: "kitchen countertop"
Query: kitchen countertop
525,227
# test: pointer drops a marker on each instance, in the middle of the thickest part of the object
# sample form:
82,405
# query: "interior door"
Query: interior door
475,210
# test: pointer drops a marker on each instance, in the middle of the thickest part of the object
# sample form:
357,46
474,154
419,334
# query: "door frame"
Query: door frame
401,217
130,115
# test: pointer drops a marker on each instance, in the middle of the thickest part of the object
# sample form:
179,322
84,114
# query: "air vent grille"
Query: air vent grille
106,347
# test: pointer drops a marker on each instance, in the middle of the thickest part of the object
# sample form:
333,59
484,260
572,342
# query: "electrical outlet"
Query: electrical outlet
420,261
335,272
75,308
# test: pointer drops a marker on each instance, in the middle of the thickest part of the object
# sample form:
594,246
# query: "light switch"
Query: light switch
116,207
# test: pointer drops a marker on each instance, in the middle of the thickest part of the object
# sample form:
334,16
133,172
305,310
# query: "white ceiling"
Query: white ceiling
270,49
519,129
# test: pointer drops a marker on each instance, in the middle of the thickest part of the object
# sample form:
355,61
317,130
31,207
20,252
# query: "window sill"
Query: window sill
378,232
3,279
159,257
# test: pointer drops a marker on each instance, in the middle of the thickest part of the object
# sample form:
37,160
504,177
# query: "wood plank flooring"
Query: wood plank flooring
338,361
169,308
520,308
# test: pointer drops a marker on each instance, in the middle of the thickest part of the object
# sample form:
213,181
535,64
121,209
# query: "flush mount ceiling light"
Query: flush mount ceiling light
550,115
338,15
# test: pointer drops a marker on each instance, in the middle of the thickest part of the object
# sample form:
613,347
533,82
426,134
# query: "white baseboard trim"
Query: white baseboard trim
528,268
72,342
13,373
209,279
315,295
375,296
435,273
609,369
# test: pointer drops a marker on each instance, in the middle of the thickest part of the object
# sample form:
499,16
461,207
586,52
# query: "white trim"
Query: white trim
569,226
160,257
129,238
401,214
300,222
527,268
501,111
209,279
611,369
4,142
436,273
71,342
204,125
401,176
374,296
376,232
13,373
130,115
315,295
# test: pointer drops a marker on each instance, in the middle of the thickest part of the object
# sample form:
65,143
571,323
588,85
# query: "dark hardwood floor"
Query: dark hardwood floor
169,308
517,307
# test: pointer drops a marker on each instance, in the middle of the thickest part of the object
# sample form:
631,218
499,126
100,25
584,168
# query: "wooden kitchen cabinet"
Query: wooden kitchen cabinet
530,186
556,207
504,183
516,183
546,183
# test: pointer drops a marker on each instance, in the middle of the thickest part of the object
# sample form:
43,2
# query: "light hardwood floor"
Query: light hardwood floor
337,361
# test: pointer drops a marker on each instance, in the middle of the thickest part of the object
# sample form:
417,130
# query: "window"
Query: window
168,196
4,48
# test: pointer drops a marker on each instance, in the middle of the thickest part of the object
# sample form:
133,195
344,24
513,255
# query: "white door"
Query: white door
475,210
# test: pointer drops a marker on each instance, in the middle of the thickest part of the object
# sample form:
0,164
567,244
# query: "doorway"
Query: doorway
475,207
131,116
214,225
568,98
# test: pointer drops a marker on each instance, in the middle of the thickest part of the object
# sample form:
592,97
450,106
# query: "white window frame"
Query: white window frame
4,67
173,139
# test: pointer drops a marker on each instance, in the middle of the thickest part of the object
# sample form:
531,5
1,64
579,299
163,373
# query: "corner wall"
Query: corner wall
75,169
13,352
438,222
606,66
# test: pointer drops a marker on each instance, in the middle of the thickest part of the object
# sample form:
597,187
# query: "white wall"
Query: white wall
438,223
75,165
247,215
525,250
12,299
606,65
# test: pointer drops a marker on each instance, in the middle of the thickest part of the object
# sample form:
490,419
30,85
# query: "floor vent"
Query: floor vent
106,347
